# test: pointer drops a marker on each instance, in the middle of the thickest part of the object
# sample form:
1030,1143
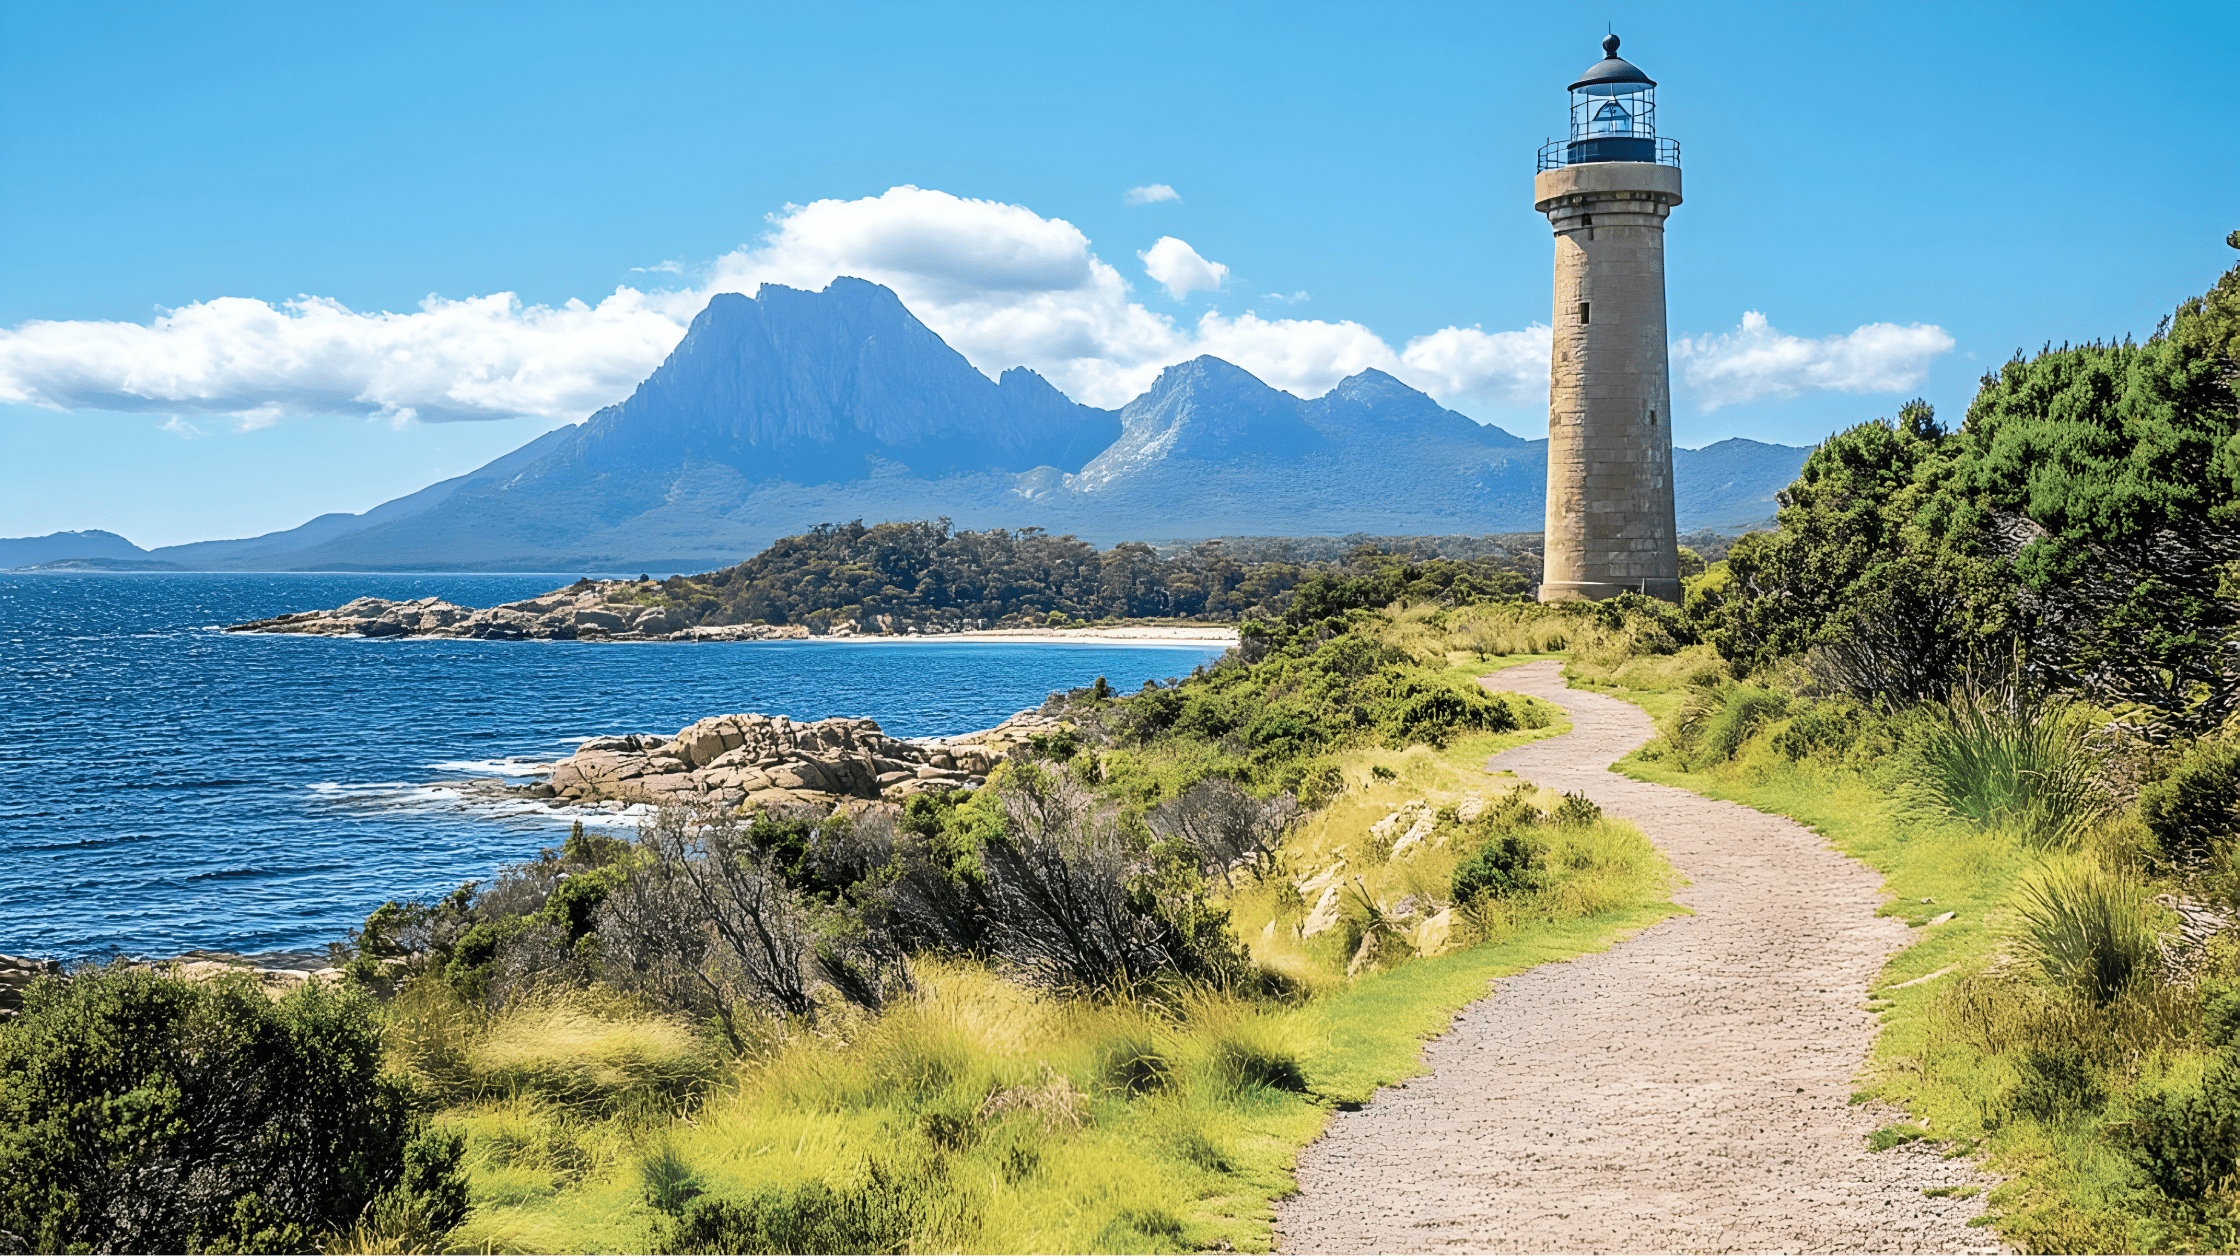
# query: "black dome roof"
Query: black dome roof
1612,68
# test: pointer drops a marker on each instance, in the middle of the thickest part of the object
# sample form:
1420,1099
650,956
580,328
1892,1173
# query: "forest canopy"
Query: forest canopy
928,574
2083,520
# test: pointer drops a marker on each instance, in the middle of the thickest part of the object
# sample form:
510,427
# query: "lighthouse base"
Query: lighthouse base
1666,589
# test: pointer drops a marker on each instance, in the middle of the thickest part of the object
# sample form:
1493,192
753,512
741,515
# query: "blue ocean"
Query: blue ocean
165,787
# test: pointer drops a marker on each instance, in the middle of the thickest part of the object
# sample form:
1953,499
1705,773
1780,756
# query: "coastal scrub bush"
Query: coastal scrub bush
1221,825
1575,810
1503,866
2195,809
143,1113
2057,1080
1721,716
1076,903
709,926
875,1216
2187,1144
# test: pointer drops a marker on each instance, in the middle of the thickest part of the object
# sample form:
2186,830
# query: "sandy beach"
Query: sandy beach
1129,636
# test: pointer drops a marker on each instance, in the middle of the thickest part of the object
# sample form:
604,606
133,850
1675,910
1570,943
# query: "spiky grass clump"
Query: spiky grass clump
2088,931
1999,758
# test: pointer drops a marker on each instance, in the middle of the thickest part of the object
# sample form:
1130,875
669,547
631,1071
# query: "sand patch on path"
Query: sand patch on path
1686,1091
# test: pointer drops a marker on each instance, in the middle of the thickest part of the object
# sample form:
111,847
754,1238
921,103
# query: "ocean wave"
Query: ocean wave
501,767
460,799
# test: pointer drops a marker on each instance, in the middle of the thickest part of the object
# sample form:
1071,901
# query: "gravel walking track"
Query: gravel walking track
1685,1091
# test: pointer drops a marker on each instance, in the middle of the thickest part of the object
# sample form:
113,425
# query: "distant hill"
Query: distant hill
1730,485
78,544
789,409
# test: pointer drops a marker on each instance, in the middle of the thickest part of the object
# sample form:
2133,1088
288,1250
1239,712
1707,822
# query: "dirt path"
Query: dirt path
1684,1092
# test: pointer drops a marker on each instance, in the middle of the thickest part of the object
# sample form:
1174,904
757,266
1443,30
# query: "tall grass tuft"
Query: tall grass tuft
2088,931
2004,759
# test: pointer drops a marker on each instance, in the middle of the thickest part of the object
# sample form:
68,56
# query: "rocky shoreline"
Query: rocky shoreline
587,610
273,973
621,611
750,759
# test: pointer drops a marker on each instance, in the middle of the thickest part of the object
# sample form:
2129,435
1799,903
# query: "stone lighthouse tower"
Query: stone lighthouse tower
1606,191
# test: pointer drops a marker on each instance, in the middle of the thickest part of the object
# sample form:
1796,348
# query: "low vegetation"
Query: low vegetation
1097,1005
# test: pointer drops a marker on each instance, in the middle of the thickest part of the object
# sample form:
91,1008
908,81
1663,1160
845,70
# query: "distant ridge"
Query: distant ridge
786,409
77,544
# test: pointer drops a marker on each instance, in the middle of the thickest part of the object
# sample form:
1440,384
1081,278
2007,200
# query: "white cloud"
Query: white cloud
1145,194
1757,360
476,359
1509,366
1300,296
1000,283
1179,269
669,265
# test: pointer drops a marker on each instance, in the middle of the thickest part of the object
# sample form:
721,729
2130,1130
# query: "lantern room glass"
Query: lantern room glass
1613,122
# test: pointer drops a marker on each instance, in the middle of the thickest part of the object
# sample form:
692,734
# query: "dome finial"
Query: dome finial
1610,45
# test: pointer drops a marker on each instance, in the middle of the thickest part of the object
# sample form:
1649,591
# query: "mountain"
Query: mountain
1212,450
789,408
78,544
1729,486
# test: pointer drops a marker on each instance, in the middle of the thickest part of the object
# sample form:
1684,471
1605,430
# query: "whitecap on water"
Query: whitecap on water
485,800
502,767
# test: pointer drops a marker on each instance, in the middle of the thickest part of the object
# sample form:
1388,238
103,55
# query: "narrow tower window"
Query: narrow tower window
1583,314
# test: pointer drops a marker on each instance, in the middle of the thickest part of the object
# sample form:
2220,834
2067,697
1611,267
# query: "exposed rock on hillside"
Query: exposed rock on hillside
748,758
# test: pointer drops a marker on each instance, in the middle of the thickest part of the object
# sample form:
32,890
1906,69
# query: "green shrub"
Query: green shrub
1135,1065
2196,808
2186,1144
1504,866
141,1113
1746,708
2057,1080
2089,932
1317,785
1828,729
2220,1013
1575,810
874,1218
1058,745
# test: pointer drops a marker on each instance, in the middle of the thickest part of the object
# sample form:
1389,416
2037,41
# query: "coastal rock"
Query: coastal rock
616,611
17,975
752,758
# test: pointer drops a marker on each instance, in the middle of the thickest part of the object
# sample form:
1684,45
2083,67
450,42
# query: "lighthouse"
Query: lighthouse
1606,190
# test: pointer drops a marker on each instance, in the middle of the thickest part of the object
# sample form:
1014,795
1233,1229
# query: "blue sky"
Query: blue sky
1357,177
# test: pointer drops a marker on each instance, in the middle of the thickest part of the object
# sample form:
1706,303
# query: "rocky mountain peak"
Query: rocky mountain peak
810,387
